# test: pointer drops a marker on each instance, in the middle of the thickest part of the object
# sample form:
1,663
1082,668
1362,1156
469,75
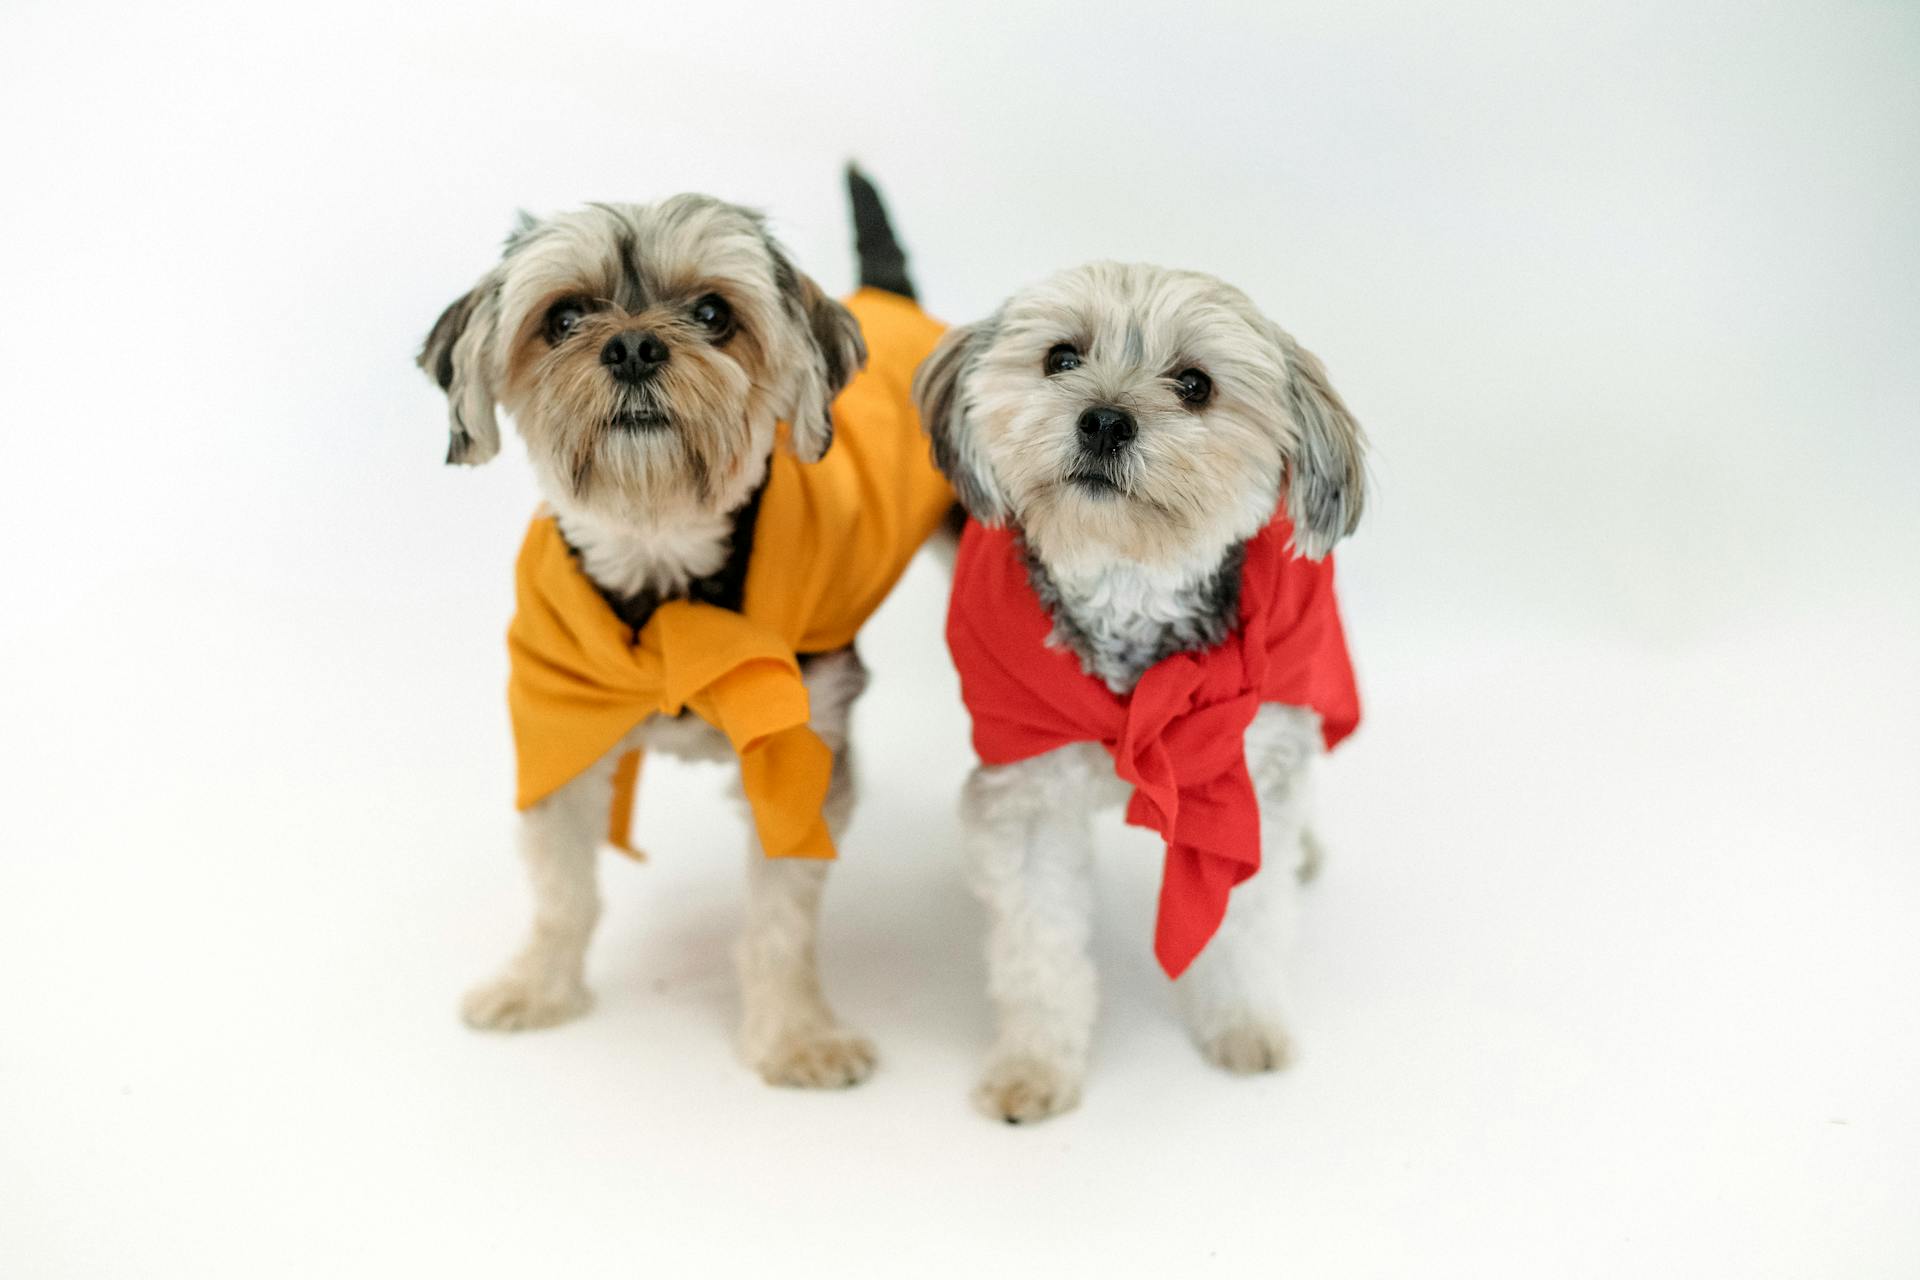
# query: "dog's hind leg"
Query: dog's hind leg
1233,995
788,1031
560,838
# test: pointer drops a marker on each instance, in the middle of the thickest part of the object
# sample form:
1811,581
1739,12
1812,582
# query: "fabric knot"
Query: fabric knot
1178,739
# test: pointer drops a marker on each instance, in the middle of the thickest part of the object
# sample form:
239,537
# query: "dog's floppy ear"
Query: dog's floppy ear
838,351
458,354
940,394
1326,474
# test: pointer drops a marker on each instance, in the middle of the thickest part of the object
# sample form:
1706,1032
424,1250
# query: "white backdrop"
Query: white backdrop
1613,967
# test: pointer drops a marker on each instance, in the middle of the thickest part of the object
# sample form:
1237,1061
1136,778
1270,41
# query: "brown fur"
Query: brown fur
643,268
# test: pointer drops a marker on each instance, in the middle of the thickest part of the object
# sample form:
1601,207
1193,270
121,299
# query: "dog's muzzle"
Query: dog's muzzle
639,418
1106,431
634,358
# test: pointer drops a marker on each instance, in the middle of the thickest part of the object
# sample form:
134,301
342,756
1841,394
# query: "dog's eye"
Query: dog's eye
714,315
1061,358
1193,386
561,319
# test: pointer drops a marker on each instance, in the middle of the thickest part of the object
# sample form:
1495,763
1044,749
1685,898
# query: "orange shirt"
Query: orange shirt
832,538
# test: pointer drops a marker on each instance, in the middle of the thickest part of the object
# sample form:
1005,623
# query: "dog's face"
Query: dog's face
1119,411
646,353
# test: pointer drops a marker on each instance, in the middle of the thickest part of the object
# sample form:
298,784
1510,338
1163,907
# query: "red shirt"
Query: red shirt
1179,737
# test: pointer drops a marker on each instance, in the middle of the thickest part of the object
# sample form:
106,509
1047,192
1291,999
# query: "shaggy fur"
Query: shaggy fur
651,474
1134,548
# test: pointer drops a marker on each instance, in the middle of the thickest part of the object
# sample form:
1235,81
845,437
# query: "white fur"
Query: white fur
1002,420
1133,568
1030,855
650,512
663,549
1125,608
788,1032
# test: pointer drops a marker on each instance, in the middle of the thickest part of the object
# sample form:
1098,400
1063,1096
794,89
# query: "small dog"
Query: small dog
695,580
1136,446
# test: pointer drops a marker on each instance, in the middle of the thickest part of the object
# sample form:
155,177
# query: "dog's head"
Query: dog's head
646,353
1120,411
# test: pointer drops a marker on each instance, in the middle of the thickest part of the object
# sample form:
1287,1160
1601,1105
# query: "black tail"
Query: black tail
883,264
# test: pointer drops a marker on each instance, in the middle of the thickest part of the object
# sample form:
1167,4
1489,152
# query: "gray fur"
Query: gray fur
1194,478
939,391
450,355
840,351
1147,564
636,257
1326,476
1117,646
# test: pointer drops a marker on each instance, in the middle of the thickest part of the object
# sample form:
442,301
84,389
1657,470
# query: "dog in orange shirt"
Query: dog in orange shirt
734,478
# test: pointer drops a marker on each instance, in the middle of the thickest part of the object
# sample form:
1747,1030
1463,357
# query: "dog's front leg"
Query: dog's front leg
788,1031
1233,995
560,838
1031,852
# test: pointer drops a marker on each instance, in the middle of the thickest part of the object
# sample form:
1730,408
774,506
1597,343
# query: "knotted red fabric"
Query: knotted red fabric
1179,738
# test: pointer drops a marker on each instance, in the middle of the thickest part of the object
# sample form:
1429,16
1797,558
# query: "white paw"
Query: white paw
828,1058
1250,1047
1021,1090
512,1003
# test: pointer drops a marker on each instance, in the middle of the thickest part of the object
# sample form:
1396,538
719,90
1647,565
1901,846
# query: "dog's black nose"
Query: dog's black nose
633,357
1105,430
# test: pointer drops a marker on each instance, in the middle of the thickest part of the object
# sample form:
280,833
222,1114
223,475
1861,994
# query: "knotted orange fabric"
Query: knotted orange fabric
831,540
1179,738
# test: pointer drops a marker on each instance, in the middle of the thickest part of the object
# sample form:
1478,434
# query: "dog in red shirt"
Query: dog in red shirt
1143,610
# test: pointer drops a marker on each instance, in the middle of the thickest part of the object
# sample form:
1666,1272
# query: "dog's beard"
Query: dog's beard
669,440
1104,512
1136,504
1159,501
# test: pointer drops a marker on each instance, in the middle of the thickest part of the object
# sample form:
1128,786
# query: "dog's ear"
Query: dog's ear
458,354
940,393
837,352
1326,474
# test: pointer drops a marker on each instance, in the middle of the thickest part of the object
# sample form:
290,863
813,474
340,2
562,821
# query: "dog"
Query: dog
727,497
1153,472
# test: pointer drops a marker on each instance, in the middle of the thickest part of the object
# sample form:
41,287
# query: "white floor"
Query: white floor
1611,971
1614,967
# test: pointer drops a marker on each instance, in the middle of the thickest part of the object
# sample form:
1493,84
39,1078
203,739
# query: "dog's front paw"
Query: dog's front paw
1248,1048
513,1003
1021,1090
826,1058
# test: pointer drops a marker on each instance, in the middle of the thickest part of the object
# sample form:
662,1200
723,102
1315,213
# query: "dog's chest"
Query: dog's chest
636,568
660,558
1124,618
